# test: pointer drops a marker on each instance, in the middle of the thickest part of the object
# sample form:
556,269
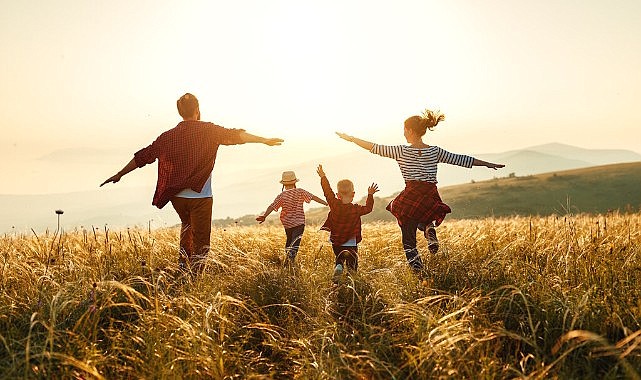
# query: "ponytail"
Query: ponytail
432,118
428,120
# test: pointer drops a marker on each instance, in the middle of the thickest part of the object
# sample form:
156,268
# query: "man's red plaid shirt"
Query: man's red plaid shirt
344,219
186,155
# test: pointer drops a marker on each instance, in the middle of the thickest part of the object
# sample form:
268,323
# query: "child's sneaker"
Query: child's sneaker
338,272
287,262
432,240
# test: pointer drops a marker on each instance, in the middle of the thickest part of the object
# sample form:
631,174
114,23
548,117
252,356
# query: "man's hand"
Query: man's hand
273,141
260,219
494,166
320,171
114,179
372,189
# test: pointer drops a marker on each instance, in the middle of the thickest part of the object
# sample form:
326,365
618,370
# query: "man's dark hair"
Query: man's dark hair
187,104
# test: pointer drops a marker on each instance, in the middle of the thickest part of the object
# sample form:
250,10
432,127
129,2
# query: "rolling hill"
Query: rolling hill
598,189
589,190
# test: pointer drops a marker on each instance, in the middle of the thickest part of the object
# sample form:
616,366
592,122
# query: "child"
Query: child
419,205
292,215
344,221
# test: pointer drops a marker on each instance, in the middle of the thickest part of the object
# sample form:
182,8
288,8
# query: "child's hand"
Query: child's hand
372,189
260,219
320,171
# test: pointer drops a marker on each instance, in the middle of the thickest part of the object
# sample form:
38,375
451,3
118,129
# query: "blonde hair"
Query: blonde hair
428,120
345,186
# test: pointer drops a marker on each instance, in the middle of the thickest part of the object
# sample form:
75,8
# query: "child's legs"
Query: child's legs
408,233
294,237
346,256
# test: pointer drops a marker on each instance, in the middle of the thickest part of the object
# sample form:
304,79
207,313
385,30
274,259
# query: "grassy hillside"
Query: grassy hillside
504,298
591,190
598,189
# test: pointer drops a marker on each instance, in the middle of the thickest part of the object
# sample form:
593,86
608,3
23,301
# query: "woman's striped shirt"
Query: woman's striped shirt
419,164
291,201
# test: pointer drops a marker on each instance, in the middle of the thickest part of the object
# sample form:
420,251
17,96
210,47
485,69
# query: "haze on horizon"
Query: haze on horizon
86,84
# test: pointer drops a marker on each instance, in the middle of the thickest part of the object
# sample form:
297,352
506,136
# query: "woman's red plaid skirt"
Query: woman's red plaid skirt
419,201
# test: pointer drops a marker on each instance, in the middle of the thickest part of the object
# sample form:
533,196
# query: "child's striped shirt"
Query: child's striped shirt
291,201
419,164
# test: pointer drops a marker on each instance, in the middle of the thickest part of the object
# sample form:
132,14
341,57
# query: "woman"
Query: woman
419,205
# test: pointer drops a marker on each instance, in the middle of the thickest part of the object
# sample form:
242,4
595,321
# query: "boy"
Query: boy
292,215
344,221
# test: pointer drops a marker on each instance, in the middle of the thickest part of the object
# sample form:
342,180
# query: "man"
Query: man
186,155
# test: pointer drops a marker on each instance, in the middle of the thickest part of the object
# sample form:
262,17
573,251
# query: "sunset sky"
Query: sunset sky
87,83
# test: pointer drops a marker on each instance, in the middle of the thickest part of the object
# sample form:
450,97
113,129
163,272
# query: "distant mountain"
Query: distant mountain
592,156
115,208
251,190
85,153
526,162
555,156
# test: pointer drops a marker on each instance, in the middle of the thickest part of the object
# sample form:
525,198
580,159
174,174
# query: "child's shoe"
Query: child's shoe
338,273
288,262
432,240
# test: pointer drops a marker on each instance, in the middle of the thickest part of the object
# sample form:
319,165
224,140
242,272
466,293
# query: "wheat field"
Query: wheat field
549,297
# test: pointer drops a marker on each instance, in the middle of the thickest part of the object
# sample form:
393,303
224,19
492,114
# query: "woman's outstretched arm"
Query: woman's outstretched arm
362,143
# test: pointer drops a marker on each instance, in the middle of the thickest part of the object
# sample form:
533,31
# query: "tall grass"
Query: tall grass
553,297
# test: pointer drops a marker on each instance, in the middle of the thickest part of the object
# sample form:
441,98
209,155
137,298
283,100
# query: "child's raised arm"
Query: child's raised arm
327,188
369,204
362,143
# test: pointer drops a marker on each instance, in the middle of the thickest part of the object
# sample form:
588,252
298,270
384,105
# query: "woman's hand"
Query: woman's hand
494,166
345,136
362,143
490,165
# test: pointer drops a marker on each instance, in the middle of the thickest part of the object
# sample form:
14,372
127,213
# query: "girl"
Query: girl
419,205
292,215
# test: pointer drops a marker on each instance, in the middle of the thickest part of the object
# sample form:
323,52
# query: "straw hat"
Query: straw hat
289,177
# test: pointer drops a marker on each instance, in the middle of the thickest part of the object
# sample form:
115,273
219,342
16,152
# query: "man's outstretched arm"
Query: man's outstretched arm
249,138
128,168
